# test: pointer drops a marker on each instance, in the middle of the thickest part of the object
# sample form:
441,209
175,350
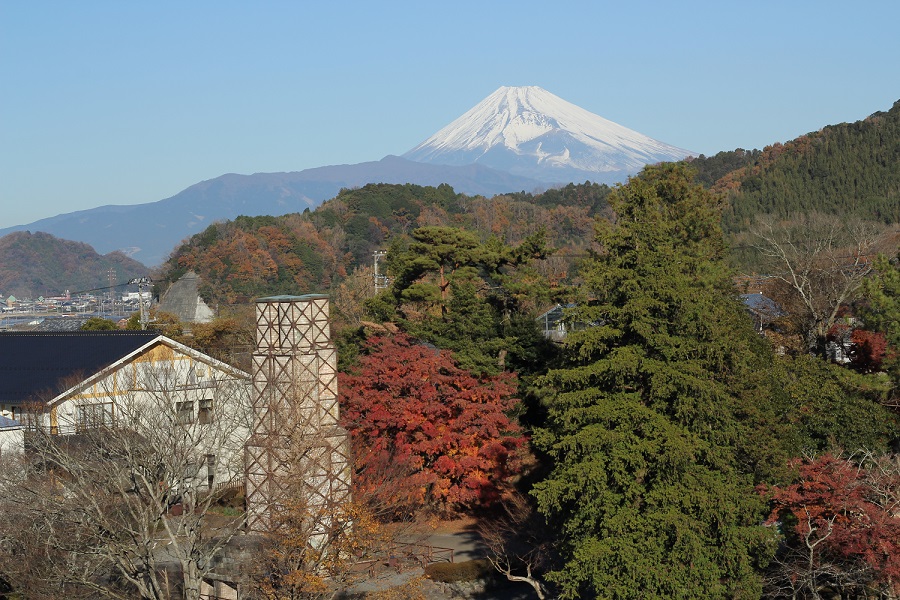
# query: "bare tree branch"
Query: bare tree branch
821,261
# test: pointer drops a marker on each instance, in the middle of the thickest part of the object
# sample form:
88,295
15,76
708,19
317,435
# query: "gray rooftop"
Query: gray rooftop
286,298
6,423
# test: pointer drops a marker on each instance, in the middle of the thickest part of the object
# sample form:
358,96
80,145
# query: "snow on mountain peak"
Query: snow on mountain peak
529,131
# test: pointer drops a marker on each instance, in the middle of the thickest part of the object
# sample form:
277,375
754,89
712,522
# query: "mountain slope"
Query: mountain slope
39,264
149,232
849,169
529,131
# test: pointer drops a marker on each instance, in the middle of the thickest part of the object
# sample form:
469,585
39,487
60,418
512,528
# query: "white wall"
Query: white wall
12,441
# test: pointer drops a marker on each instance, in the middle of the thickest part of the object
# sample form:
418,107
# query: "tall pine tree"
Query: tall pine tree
658,422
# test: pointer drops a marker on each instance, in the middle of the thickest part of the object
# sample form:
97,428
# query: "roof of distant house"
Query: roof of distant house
762,305
56,324
40,364
6,423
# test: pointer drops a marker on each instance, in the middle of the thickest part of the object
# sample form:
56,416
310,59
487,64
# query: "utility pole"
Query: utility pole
143,284
112,292
381,281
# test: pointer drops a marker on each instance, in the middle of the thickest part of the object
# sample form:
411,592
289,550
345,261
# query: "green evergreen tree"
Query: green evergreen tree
833,407
463,295
881,312
659,423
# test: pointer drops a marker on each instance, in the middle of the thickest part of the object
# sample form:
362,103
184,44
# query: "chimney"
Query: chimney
297,454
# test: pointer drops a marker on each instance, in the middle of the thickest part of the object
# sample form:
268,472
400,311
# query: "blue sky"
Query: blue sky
110,102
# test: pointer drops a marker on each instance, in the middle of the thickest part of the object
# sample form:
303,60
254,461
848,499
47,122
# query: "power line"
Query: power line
137,281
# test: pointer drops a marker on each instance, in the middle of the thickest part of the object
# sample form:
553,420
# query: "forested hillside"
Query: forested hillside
313,251
39,264
848,169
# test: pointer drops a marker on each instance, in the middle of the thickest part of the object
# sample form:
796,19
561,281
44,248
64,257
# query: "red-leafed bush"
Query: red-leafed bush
869,348
842,529
425,432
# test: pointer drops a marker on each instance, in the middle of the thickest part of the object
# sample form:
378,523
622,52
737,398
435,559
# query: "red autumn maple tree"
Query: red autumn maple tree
842,523
869,349
425,432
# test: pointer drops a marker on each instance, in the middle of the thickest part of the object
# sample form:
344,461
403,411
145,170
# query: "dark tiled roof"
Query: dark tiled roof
762,305
34,363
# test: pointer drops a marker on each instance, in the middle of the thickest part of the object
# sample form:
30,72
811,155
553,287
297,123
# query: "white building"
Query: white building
70,383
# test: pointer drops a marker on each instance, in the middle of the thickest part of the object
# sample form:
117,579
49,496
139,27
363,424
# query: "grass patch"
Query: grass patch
225,511
470,570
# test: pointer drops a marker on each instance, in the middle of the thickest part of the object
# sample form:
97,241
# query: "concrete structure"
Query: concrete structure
183,300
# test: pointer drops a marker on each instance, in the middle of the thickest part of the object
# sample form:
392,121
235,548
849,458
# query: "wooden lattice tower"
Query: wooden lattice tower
297,451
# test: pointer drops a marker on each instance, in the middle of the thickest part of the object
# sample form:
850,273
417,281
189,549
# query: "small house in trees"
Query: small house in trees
551,324
71,382
555,327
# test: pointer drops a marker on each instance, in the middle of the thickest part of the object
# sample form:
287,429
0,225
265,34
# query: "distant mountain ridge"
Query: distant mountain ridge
39,264
151,231
528,130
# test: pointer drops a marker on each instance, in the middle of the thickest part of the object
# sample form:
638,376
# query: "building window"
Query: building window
206,411
92,416
184,412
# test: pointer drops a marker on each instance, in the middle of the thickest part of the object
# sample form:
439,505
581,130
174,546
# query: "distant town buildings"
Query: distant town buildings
57,313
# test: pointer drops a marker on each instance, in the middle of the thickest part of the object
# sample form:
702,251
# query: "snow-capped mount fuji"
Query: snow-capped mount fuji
528,131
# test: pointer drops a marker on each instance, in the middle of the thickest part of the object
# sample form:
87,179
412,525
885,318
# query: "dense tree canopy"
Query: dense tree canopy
829,406
881,312
659,420
477,299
